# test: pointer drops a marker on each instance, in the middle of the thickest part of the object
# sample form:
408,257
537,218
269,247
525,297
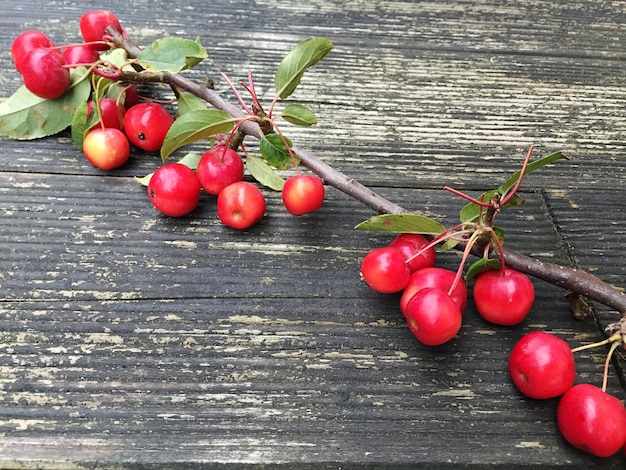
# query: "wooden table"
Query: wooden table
132,340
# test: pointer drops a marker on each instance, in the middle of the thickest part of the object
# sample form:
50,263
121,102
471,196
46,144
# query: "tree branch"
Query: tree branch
575,280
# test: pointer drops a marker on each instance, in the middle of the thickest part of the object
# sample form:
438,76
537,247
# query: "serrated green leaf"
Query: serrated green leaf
402,223
275,152
299,115
25,116
481,265
194,126
264,173
171,55
188,102
191,160
292,67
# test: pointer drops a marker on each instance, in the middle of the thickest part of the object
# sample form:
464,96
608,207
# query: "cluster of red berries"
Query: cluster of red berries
175,189
434,299
45,66
542,366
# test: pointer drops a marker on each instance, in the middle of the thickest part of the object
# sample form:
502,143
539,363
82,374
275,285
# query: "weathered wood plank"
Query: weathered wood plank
128,340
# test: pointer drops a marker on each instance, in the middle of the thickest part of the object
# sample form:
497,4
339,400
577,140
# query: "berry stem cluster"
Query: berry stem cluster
571,279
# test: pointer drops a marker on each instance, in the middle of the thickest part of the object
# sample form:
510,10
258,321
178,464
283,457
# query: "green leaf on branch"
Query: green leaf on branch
264,173
188,103
25,116
276,153
402,223
172,55
508,184
194,126
481,265
191,160
299,115
470,212
79,124
292,67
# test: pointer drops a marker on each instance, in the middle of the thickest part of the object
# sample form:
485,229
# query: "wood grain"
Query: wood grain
130,340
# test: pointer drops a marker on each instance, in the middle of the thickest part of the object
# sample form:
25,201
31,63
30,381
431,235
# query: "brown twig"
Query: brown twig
575,280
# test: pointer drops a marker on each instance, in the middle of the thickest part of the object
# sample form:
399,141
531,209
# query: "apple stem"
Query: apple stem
511,193
237,94
614,338
447,235
605,376
466,197
459,272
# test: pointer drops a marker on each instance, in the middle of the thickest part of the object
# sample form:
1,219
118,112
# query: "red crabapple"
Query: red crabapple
218,168
503,298
384,269
412,243
542,365
433,317
174,189
592,420
303,194
44,73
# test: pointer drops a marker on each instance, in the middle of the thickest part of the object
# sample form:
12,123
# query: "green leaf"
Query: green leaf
471,211
79,125
264,173
117,57
194,126
292,67
481,265
508,184
25,116
171,55
191,160
299,115
402,223
188,102
275,152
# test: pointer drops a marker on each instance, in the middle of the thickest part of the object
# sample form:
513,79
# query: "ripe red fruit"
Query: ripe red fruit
218,168
111,111
440,278
174,189
385,270
503,299
26,42
542,365
79,54
93,25
146,125
433,317
240,205
44,73
106,149
303,194
592,420
412,243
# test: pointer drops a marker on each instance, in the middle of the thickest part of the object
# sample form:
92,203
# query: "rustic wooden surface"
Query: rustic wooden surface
130,340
